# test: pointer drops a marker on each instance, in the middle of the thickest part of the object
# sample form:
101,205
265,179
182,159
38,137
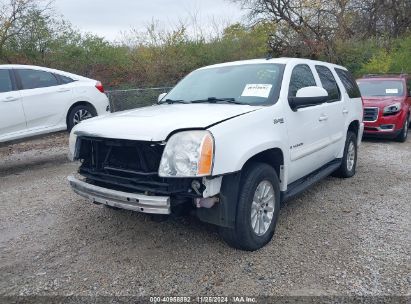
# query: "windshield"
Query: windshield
370,88
253,84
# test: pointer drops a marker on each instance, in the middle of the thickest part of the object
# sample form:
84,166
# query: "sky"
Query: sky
110,18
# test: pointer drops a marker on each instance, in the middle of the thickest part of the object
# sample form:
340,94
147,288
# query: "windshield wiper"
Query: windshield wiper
170,101
215,100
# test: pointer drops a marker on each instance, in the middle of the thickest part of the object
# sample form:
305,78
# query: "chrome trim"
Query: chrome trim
388,130
119,199
378,129
378,113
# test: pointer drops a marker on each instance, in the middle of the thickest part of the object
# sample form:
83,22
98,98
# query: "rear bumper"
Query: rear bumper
119,199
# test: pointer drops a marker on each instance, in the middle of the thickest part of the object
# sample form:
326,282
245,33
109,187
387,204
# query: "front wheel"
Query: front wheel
78,114
349,160
402,137
257,210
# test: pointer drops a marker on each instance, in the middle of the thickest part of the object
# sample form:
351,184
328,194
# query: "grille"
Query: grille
370,114
126,165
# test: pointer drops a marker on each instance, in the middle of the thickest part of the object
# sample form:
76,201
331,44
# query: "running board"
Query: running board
304,183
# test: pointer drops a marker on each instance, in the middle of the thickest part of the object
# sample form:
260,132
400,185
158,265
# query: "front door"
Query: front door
307,129
12,118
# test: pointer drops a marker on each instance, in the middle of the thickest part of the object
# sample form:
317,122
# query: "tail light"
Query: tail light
99,86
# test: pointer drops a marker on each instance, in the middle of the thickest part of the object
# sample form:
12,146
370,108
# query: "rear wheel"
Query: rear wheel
349,161
257,210
78,114
402,137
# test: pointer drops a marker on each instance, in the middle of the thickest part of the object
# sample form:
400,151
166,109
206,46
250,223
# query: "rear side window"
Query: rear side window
5,81
349,83
328,82
301,77
32,79
65,79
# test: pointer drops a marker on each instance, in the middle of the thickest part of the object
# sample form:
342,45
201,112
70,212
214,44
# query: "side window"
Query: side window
65,79
328,82
32,79
301,77
409,87
349,83
5,81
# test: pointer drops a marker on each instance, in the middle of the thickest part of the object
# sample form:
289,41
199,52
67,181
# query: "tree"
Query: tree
311,28
382,17
17,18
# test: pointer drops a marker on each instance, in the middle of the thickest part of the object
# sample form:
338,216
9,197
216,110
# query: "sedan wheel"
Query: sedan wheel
78,114
81,115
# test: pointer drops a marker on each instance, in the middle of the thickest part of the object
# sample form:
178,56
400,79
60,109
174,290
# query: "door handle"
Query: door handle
323,118
9,99
345,111
63,90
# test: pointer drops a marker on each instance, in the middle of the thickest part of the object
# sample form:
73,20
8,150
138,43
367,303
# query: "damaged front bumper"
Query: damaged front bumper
119,199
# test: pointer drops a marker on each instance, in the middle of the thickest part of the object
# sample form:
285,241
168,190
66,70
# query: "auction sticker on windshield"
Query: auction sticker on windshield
257,90
391,91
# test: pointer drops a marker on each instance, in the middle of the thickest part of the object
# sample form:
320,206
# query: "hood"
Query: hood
155,123
381,102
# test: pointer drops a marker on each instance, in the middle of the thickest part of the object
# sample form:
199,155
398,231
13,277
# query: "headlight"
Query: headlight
391,109
72,146
188,154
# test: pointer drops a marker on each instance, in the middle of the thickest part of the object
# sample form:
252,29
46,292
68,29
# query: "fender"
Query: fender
256,131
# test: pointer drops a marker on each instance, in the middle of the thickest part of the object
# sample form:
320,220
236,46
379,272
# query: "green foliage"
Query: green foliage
401,56
379,63
392,59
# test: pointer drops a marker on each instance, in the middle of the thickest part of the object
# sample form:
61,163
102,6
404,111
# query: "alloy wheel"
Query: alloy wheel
350,156
81,115
262,207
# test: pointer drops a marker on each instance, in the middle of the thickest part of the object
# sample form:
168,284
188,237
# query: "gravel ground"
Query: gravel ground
341,237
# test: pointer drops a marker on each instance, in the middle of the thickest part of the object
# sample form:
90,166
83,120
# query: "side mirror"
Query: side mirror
161,96
308,97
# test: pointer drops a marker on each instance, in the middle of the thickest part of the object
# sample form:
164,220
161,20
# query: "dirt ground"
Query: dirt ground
342,237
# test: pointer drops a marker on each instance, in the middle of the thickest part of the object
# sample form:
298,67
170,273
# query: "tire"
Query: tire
349,160
243,236
402,137
78,114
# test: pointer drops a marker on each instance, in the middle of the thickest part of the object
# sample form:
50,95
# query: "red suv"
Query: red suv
387,105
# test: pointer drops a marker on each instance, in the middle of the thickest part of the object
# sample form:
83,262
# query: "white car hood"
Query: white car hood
155,123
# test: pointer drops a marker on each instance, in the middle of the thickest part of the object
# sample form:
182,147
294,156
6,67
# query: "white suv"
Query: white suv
35,100
230,142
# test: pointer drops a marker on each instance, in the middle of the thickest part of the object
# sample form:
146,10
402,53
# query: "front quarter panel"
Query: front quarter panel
240,138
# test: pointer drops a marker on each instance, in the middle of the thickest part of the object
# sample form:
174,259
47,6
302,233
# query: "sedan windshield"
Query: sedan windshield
253,84
380,88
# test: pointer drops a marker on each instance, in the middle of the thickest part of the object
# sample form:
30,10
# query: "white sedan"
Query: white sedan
36,100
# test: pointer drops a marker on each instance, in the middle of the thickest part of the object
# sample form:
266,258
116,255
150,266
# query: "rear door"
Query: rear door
307,128
336,109
12,118
44,98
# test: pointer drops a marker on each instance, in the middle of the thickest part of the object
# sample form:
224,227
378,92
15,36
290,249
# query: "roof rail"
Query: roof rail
385,75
